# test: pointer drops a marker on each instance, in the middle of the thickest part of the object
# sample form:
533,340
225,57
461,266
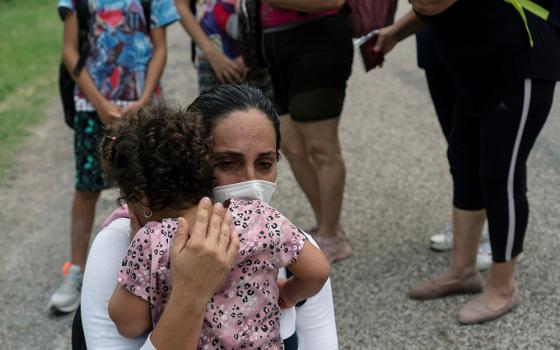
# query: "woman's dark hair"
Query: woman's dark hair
159,156
216,104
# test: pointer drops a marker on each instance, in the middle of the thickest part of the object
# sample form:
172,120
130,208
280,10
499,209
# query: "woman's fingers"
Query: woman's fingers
203,213
181,236
224,237
233,248
213,233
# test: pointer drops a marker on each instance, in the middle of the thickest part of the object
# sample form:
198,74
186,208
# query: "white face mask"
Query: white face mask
254,189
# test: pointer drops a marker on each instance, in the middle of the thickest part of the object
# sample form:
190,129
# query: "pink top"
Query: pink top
273,17
244,314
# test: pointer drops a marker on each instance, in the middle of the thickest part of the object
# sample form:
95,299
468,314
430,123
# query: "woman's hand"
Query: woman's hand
431,7
201,261
386,40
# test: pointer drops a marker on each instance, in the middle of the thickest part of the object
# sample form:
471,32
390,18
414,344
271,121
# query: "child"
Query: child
124,59
160,159
217,55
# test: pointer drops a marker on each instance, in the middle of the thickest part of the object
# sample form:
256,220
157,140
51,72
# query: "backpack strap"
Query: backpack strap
534,8
147,7
82,12
192,5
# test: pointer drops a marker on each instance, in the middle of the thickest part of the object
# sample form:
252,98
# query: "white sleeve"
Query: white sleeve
100,279
288,317
315,320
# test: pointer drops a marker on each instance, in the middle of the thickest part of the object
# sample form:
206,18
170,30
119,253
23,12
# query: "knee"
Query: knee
325,155
294,153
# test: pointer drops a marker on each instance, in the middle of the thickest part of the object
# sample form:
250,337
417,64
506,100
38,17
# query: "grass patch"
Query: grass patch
30,46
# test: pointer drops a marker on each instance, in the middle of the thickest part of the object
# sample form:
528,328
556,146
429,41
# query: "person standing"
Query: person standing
308,49
124,63
505,87
215,31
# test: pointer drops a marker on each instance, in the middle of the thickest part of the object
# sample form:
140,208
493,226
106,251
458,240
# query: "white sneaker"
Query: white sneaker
443,241
67,296
484,255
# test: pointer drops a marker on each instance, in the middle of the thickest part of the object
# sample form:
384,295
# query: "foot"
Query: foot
336,248
447,284
67,297
489,306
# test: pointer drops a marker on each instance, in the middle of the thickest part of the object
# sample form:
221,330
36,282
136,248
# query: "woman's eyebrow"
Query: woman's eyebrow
267,154
229,153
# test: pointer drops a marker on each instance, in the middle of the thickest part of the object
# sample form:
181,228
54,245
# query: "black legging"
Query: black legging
488,156
444,95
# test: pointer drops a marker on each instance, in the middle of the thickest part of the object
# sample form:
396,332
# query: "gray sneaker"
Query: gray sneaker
67,297
443,241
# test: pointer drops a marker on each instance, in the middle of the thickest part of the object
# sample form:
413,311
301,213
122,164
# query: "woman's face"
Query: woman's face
245,148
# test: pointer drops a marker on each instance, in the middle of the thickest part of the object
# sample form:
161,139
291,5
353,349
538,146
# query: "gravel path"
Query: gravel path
397,195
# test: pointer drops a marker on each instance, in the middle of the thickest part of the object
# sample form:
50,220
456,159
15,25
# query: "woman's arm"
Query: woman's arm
405,26
199,267
315,319
307,5
431,7
70,56
130,313
310,272
100,279
226,70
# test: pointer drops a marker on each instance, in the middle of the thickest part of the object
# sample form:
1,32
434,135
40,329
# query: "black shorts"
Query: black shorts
309,65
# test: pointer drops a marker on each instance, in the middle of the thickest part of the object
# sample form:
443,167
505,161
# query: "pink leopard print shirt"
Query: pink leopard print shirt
244,314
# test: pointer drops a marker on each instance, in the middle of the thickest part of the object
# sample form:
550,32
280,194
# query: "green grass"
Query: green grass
29,57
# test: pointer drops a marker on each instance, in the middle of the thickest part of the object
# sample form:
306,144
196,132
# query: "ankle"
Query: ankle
502,290
462,273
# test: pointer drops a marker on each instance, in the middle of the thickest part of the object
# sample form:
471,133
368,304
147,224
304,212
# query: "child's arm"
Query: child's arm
155,67
311,270
227,70
70,56
130,313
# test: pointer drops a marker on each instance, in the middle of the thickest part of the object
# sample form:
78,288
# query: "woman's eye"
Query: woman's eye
227,164
265,165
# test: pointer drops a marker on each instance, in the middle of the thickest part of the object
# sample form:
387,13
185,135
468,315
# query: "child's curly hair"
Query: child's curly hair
159,156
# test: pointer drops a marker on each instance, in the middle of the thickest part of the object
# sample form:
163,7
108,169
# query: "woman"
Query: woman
229,111
504,69
308,49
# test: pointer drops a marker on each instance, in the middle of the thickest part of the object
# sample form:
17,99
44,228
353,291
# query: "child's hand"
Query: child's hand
136,104
243,69
226,70
108,112
284,300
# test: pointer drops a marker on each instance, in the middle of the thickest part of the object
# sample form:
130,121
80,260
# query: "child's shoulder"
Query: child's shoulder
157,229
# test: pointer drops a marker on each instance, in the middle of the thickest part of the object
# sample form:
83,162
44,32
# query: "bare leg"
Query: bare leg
83,214
293,148
499,285
323,146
